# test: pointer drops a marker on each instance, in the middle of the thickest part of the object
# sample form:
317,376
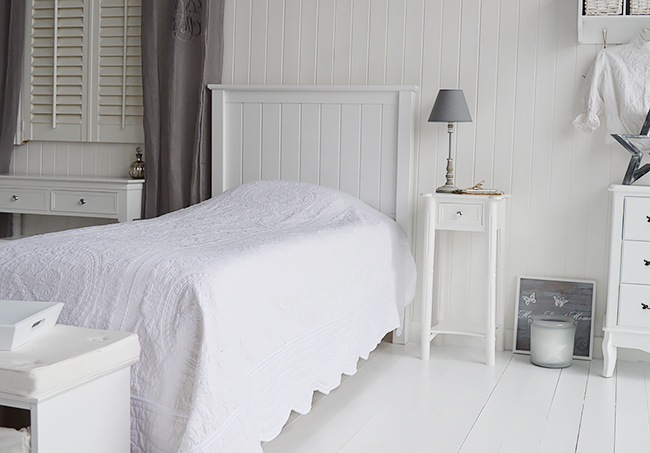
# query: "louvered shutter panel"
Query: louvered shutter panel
83,74
119,102
53,102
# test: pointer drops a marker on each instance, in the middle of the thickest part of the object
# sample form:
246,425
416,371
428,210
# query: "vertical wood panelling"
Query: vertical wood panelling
308,41
388,177
330,145
290,168
342,42
274,42
350,146
370,154
259,40
271,115
252,141
310,143
93,160
360,42
233,168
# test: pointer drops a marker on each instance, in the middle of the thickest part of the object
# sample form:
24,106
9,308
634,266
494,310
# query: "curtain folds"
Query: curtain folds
182,51
12,41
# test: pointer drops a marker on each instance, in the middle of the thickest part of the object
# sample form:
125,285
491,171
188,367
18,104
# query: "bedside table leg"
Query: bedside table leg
491,234
609,355
427,308
427,279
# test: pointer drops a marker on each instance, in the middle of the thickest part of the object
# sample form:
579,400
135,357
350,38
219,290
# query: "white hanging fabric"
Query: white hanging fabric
619,84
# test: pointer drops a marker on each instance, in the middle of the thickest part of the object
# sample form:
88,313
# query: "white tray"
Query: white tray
20,321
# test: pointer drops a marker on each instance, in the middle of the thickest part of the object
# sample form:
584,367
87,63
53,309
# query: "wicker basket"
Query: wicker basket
605,7
639,7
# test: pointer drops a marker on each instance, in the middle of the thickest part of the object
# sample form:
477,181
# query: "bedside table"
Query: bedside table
471,213
627,321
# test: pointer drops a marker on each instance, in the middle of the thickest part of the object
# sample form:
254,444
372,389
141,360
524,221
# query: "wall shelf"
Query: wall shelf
620,29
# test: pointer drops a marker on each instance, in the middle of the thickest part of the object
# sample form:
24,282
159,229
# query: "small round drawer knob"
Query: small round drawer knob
14,198
83,201
459,214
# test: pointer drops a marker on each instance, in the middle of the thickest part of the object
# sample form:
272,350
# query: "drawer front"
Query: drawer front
460,216
23,200
636,219
635,262
102,203
634,306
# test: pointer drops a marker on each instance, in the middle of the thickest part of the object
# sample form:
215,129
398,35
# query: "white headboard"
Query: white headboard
357,139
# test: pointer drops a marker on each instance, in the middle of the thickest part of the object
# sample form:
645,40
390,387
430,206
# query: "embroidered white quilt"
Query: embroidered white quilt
244,305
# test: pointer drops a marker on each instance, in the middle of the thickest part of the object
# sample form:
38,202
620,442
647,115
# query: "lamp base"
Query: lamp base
447,188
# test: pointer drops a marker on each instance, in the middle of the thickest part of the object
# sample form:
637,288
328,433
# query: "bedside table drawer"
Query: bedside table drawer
86,202
23,199
460,216
635,262
636,219
634,306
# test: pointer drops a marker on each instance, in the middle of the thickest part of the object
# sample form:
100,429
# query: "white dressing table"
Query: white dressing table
110,198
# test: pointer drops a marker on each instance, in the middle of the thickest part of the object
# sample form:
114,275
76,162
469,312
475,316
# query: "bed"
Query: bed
248,302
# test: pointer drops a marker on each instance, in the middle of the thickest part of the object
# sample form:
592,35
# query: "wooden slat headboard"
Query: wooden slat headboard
357,139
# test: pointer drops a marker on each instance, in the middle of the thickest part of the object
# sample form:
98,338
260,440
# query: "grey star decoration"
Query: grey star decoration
633,171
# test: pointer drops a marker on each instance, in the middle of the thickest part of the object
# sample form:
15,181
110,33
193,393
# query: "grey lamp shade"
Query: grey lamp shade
450,107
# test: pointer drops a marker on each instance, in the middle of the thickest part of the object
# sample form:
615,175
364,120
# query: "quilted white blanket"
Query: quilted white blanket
244,305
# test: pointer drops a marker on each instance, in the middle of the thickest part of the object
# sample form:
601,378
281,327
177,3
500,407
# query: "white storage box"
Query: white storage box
20,321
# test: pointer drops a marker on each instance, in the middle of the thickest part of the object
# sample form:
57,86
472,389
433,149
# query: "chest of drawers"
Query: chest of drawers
627,322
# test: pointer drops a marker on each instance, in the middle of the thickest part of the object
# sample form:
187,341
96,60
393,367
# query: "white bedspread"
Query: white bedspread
244,305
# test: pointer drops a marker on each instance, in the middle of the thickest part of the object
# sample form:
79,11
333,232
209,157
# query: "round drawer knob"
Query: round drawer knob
82,201
14,198
459,214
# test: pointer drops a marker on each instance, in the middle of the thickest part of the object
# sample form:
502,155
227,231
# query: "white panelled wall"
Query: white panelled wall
520,66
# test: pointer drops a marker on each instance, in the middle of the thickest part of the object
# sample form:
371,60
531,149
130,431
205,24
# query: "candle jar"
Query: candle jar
551,341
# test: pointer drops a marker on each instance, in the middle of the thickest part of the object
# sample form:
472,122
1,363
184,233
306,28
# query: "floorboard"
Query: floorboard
455,403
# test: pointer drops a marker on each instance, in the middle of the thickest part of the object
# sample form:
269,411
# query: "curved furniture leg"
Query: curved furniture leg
609,355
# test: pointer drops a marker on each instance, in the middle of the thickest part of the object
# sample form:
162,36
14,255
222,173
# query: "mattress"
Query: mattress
244,305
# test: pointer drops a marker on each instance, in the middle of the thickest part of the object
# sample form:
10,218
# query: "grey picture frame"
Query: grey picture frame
563,297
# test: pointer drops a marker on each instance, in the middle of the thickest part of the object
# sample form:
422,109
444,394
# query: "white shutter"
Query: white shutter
83,72
119,102
54,101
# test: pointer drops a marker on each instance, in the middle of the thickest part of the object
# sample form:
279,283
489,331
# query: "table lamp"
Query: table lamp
450,107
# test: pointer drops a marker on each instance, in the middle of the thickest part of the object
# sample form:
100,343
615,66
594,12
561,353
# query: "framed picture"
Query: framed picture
543,296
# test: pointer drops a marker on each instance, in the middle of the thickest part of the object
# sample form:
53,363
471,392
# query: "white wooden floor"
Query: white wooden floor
454,403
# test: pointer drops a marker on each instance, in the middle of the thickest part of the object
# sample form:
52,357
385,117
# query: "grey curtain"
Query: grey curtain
12,39
182,51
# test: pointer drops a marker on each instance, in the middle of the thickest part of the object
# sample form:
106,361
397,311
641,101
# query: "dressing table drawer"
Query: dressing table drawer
87,202
23,199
